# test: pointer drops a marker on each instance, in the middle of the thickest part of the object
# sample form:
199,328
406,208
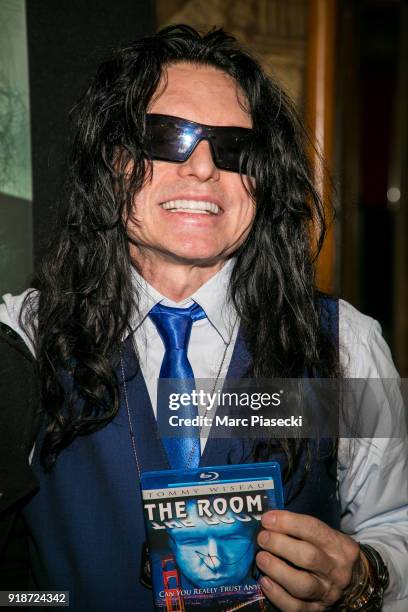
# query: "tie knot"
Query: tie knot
174,324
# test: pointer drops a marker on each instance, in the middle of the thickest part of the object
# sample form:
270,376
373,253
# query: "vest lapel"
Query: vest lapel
150,450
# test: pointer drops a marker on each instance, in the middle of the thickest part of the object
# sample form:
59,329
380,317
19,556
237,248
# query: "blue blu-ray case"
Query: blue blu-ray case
201,529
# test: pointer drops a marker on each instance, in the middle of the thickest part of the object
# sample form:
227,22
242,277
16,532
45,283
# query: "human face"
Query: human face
209,96
216,553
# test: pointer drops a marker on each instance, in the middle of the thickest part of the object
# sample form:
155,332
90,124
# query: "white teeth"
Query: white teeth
192,206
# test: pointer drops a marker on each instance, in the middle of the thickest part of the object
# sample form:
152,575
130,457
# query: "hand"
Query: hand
308,565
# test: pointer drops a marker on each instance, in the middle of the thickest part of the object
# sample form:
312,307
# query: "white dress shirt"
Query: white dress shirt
212,339
372,473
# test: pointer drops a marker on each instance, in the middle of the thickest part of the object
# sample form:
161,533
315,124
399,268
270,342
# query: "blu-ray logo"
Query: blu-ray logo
209,475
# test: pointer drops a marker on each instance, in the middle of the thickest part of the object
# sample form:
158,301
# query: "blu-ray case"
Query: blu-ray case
201,528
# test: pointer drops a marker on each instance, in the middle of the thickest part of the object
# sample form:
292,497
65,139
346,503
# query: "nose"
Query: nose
200,164
213,553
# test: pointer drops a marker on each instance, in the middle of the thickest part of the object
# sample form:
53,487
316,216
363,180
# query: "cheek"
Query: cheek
245,217
145,200
140,206
250,212
245,210
141,218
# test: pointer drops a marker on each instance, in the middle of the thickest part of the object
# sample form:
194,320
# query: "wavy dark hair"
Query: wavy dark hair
85,293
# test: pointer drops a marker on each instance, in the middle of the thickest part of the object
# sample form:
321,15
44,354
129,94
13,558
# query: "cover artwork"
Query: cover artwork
201,526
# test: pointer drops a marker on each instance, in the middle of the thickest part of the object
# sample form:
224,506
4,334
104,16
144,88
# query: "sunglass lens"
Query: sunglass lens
229,152
169,139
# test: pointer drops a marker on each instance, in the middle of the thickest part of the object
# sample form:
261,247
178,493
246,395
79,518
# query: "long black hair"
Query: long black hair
86,299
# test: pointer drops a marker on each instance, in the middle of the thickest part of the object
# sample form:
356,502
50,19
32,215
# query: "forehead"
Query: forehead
201,93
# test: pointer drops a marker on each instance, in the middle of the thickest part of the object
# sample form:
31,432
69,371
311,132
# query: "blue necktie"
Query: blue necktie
174,326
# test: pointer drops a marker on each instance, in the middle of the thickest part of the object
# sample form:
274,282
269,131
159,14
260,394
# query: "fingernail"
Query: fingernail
269,519
261,559
266,582
263,538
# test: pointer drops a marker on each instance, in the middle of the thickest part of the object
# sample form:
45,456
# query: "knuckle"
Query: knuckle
309,591
315,526
310,557
308,588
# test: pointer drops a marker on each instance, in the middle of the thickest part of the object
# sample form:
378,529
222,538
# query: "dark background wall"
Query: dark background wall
372,72
66,41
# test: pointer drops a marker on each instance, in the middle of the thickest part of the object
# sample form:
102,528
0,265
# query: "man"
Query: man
216,227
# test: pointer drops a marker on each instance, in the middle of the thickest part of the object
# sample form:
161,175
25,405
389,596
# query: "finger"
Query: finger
300,526
284,601
302,554
299,584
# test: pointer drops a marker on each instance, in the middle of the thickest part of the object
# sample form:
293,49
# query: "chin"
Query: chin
202,257
194,247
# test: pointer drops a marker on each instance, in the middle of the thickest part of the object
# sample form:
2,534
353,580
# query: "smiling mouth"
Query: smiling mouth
192,206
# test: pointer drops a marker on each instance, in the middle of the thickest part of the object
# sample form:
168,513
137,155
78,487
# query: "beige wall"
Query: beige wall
274,30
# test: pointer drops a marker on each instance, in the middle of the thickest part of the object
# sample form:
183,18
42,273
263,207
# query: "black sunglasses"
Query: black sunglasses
174,139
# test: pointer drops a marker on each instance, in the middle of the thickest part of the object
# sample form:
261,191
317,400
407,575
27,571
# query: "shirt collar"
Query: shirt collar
213,297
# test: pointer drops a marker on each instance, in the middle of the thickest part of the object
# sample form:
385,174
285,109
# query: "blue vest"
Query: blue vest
86,521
